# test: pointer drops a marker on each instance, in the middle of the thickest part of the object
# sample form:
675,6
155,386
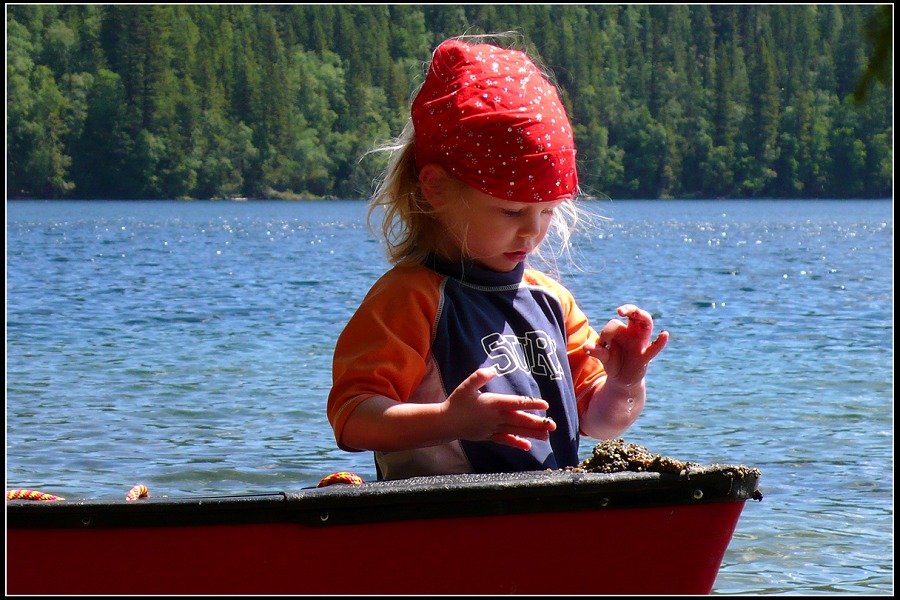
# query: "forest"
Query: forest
284,101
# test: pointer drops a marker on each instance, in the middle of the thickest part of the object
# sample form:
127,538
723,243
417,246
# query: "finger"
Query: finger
474,382
522,442
608,334
636,316
516,403
526,434
511,440
601,354
601,350
656,347
609,331
522,423
626,309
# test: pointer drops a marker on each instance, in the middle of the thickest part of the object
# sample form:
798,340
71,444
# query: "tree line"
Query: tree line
282,101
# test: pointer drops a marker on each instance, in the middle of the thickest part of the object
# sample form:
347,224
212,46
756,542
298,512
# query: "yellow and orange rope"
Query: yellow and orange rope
138,491
341,477
30,495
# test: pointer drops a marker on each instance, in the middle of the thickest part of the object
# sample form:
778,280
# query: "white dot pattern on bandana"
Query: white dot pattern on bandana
488,116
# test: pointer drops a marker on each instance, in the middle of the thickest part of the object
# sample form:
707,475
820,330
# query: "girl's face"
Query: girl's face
496,234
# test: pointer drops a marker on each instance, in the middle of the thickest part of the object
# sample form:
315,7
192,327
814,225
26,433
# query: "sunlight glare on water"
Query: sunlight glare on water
187,346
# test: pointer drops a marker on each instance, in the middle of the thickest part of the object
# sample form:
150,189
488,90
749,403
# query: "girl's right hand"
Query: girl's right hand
502,418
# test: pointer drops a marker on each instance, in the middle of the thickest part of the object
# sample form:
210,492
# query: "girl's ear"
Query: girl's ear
436,185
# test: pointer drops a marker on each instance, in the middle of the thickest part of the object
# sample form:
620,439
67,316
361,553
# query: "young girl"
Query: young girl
460,359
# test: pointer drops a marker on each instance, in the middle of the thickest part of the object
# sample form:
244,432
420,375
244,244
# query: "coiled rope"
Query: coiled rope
341,477
141,491
138,491
30,495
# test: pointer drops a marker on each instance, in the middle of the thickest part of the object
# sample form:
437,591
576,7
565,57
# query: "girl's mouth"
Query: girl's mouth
516,256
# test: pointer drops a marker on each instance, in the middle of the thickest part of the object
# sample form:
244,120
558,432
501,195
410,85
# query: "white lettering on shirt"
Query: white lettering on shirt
534,353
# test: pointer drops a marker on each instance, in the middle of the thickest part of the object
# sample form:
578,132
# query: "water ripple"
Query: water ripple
187,346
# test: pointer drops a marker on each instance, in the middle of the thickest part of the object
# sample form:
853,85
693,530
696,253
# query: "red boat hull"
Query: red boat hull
670,549
680,551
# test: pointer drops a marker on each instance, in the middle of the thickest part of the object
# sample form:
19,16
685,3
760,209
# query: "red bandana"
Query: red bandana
489,117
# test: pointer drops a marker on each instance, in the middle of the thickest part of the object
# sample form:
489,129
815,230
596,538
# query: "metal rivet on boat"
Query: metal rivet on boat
698,494
323,517
604,502
85,521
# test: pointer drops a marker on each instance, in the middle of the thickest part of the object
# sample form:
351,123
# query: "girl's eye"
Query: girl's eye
510,212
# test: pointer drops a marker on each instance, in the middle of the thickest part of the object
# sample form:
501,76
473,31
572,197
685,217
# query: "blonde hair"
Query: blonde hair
408,225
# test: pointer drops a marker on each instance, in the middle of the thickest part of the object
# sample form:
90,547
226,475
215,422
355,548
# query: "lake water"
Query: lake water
187,346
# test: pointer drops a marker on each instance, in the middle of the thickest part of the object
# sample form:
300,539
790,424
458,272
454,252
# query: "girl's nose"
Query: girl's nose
530,226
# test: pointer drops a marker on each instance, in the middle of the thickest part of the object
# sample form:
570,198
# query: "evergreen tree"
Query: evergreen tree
144,101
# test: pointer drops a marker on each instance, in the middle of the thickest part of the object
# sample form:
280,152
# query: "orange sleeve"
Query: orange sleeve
384,347
587,371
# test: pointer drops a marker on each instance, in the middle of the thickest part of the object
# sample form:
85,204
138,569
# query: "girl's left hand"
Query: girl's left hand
626,350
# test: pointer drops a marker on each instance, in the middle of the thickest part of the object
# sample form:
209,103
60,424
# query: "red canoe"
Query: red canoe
554,532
